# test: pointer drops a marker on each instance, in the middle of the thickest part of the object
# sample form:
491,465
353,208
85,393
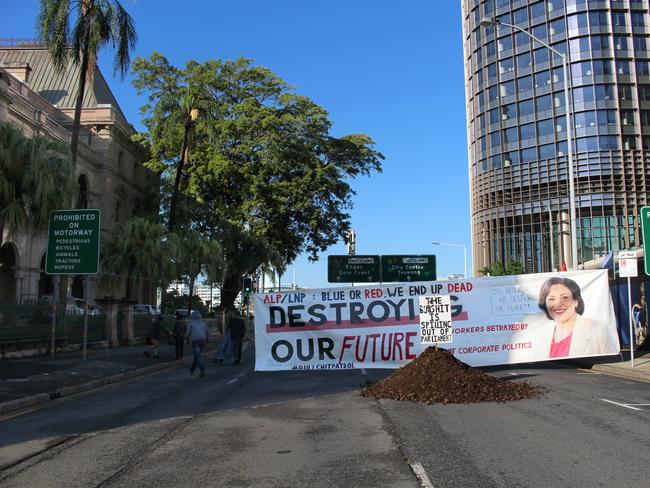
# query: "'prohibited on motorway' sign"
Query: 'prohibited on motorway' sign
73,242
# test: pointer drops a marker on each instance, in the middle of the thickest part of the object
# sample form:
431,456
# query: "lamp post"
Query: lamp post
492,22
451,244
550,234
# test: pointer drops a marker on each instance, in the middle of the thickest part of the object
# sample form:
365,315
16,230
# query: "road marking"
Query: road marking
239,376
624,405
513,374
421,474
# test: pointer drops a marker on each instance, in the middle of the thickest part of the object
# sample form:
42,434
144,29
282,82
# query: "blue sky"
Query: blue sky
392,70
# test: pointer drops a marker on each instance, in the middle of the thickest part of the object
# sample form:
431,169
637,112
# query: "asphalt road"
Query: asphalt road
238,428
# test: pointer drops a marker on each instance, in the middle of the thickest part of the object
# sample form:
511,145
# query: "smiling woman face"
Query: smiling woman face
560,304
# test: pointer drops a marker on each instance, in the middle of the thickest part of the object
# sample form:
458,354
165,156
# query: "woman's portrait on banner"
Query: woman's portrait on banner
573,335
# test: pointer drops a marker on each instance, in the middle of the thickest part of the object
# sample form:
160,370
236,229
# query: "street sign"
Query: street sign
353,269
627,268
626,254
645,230
73,242
404,268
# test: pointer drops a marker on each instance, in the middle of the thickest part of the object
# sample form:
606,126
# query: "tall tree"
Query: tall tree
266,177
78,29
178,101
36,177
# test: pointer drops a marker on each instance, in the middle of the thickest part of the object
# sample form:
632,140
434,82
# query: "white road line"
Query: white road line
513,374
421,474
640,404
621,404
235,379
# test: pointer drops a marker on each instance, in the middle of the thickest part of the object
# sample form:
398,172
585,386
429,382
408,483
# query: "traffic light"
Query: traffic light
248,285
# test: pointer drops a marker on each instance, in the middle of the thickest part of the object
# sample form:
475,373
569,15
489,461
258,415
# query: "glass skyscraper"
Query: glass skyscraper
517,137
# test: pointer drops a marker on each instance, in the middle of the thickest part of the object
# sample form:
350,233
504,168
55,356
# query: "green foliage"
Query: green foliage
36,177
142,251
174,301
79,29
198,255
496,269
265,178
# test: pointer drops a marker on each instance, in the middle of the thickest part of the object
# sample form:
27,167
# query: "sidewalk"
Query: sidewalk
618,365
29,381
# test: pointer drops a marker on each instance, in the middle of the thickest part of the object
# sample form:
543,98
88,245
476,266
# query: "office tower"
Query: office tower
517,134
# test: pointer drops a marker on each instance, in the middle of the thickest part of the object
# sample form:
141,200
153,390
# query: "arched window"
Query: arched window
45,282
82,194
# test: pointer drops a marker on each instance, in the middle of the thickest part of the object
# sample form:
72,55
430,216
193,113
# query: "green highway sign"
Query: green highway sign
645,230
353,269
400,268
73,242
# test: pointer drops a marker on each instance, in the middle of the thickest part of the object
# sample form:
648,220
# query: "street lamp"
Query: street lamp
449,244
550,234
488,22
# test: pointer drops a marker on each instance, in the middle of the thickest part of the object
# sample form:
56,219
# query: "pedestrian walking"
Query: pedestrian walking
197,334
154,336
225,350
237,333
179,334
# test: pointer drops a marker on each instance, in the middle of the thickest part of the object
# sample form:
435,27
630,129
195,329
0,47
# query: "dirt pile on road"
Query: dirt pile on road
436,376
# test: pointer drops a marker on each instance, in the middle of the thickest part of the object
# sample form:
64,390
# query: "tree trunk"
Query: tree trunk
177,181
76,123
189,305
230,290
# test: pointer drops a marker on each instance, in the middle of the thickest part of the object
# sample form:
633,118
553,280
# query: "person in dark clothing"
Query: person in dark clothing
154,336
237,332
179,334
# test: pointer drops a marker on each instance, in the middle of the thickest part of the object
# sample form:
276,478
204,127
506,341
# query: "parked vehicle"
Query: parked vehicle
144,309
73,306
182,313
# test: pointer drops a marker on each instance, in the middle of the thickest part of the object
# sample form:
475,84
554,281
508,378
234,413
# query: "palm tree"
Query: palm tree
96,24
199,255
142,251
36,177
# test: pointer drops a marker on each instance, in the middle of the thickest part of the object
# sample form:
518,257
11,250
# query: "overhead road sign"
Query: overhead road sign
73,242
353,269
404,268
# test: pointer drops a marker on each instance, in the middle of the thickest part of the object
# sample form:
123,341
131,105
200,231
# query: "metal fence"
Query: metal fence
33,323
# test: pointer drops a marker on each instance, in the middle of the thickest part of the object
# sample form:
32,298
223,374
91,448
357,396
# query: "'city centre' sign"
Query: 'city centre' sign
73,242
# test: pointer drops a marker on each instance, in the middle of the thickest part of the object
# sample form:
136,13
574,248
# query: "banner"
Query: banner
494,320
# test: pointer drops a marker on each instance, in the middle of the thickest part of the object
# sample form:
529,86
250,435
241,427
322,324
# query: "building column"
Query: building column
111,310
126,307
26,281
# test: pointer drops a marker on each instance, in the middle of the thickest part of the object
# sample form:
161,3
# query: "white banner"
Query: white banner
496,320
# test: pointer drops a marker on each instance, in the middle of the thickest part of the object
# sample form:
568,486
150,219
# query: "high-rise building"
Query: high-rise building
517,134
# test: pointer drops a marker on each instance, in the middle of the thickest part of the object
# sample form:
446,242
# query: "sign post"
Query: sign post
627,267
73,249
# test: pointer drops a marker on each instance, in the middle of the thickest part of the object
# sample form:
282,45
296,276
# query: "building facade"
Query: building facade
38,99
517,137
